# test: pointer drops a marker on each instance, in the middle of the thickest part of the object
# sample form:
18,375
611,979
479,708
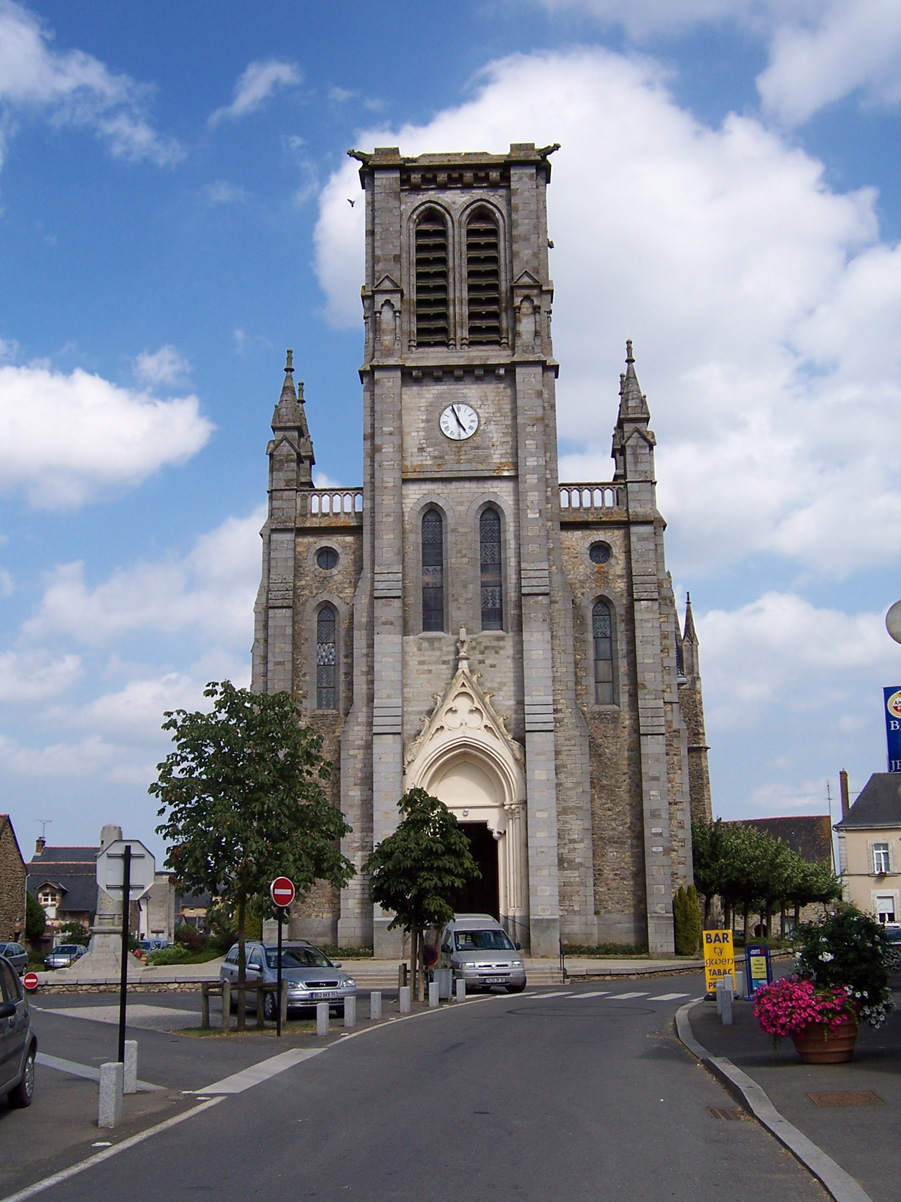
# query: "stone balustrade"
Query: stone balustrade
585,499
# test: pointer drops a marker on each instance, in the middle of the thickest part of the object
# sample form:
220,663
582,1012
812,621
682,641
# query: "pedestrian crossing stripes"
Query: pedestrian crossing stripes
608,995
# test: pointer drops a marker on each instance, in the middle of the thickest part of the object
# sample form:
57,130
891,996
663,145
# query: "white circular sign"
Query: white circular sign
893,621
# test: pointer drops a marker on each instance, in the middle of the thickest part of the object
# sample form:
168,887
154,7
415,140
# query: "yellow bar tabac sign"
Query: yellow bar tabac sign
719,959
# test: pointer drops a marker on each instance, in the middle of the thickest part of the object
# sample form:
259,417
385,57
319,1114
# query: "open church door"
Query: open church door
481,895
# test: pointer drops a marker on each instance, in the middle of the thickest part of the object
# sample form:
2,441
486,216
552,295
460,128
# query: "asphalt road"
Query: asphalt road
578,1093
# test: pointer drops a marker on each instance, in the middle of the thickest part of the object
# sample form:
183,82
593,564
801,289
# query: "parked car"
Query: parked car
480,952
312,977
64,955
18,1045
16,955
153,945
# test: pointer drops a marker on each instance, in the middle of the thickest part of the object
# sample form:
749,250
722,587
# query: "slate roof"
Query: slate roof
810,835
72,868
879,803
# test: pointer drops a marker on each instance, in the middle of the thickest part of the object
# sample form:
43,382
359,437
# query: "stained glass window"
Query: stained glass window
602,633
327,658
432,570
492,592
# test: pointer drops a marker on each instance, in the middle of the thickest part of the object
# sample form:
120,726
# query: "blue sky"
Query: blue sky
173,215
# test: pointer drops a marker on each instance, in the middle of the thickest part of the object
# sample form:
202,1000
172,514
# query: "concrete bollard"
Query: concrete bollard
433,995
130,1077
726,1011
322,1018
404,999
375,1006
112,1077
740,988
460,989
350,1012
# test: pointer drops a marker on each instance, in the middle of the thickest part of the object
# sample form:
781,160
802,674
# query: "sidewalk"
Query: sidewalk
369,974
842,1120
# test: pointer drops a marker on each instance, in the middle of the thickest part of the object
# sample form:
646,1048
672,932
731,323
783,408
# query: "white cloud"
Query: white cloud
782,650
210,590
765,311
75,89
853,45
221,192
256,85
819,50
36,675
64,439
9,349
165,366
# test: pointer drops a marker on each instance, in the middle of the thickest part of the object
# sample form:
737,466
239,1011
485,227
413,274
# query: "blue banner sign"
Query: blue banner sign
760,970
892,698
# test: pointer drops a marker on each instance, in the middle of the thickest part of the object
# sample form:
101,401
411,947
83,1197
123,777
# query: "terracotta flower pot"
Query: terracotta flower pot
817,1044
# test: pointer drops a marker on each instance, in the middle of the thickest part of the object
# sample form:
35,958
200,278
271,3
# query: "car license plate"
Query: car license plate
322,995
494,980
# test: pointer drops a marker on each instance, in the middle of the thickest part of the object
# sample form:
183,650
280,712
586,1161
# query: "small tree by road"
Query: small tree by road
243,800
417,870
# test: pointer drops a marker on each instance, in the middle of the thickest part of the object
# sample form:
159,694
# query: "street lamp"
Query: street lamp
893,621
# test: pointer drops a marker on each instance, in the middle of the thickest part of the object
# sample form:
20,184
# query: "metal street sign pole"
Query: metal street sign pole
278,996
123,980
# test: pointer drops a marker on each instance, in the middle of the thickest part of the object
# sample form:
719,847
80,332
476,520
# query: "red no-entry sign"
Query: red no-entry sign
282,891
30,980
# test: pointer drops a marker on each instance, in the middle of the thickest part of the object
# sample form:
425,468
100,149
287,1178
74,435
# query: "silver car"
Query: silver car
312,977
18,1046
16,955
64,955
480,953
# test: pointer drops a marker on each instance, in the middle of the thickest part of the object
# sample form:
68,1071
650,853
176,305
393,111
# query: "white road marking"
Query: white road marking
597,993
622,997
667,997
74,1069
557,993
56,1178
257,1073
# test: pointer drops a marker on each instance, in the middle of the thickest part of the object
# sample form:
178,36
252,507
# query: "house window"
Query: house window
492,591
885,908
602,639
327,658
483,280
432,570
881,862
432,326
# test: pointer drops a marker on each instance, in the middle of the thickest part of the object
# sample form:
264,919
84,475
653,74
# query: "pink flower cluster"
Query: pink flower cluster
789,1005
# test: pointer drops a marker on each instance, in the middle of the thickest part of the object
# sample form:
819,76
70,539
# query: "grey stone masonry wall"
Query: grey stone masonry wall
12,884
589,800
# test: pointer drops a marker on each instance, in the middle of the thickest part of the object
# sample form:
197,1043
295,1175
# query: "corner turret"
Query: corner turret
290,452
633,440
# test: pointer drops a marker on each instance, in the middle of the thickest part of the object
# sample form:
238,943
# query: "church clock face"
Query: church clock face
459,421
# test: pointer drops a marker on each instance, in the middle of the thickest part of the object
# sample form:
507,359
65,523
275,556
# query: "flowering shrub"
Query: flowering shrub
793,1003
851,951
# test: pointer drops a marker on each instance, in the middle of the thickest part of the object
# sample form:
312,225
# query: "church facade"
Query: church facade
465,623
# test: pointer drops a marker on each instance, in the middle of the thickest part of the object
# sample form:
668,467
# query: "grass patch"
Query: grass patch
347,953
181,955
298,1027
619,950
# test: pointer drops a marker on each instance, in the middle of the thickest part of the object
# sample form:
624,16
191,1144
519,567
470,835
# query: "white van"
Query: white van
480,952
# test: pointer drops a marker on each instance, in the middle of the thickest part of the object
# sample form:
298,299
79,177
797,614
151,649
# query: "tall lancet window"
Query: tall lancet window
327,658
491,580
432,325
432,570
483,279
602,633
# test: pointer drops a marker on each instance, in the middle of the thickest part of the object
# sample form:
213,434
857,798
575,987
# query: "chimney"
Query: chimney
843,789
39,844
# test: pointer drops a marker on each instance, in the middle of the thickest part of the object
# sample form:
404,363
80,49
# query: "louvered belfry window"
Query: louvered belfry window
602,633
327,658
483,279
432,570
492,593
432,326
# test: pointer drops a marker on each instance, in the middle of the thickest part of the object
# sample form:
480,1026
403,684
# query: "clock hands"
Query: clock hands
457,416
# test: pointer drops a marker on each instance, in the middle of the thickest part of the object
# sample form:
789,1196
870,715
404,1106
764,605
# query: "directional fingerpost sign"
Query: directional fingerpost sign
282,891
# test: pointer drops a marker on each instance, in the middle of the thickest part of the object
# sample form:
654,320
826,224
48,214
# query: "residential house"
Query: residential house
64,880
869,847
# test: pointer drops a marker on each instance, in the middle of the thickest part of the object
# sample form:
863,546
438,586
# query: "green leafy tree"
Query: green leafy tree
35,918
243,800
687,921
74,932
416,872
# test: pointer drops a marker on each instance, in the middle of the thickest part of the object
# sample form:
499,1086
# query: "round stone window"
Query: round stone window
599,552
327,558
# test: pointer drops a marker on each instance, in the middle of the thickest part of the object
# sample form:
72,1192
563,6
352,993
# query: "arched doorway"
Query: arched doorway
482,894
